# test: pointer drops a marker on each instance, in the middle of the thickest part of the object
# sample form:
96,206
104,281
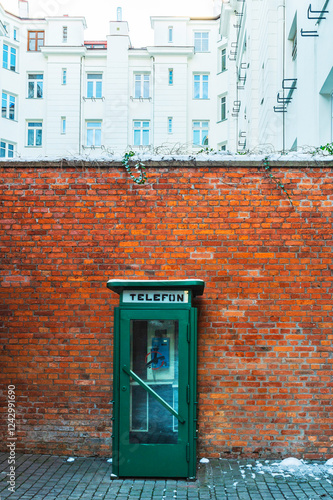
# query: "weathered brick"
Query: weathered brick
265,320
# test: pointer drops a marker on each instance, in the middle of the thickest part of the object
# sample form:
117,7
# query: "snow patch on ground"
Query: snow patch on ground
204,461
290,462
292,467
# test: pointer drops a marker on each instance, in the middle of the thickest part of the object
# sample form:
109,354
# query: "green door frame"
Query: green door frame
135,464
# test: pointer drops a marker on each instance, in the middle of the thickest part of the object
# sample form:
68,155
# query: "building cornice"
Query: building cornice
79,50
175,50
216,18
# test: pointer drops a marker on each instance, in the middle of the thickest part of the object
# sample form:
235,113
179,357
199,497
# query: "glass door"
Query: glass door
154,373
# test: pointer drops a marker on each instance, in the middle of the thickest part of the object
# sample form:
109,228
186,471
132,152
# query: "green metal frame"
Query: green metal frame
153,393
194,287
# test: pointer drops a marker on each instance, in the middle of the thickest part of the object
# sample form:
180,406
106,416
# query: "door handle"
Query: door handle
150,391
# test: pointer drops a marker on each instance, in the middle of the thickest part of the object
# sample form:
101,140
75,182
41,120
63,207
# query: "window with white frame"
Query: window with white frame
170,125
15,34
35,134
141,132
223,59
94,133
8,106
223,108
64,34
6,149
170,34
170,76
63,125
64,76
35,86
94,85
200,133
200,86
141,85
9,59
201,41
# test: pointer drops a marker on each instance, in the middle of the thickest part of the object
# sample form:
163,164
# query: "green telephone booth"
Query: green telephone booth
155,344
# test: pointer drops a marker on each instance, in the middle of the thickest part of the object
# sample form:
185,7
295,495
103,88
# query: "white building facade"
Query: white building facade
283,73
257,77
62,96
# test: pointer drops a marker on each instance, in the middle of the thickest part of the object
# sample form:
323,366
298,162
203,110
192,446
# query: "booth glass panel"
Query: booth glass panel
154,359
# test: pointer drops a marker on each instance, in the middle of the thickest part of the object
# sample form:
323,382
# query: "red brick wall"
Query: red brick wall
265,320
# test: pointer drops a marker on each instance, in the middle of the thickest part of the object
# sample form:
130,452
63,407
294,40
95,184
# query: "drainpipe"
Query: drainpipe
80,107
283,77
153,109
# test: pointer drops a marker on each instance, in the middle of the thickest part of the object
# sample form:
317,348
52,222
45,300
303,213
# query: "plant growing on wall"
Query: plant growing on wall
327,148
139,166
267,168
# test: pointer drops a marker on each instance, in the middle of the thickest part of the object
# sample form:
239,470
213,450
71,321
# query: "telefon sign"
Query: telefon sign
155,296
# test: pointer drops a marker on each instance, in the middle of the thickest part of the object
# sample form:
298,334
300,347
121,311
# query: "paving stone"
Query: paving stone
45,477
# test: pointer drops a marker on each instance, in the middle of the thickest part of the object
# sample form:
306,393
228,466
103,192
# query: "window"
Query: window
94,134
200,133
63,124
6,150
170,76
35,134
223,60
222,146
35,86
170,120
94,85
201,41
141,133
141,86
64,34
64,76
170,36
35,40
200,86
15,34
8,106
9,57
223,108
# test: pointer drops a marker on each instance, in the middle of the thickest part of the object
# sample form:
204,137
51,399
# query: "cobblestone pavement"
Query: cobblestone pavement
49,477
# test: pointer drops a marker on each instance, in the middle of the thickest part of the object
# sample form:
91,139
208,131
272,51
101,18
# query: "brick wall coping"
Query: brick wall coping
170,163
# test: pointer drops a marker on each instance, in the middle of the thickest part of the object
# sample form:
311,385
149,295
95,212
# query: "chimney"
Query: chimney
119,14
217,5
23,9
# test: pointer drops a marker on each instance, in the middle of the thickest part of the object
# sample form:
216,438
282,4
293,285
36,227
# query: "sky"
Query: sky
99,12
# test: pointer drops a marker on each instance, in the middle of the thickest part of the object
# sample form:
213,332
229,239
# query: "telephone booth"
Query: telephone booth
155,353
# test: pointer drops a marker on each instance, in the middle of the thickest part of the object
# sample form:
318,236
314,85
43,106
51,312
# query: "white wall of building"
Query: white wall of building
252,48
271,50
74,122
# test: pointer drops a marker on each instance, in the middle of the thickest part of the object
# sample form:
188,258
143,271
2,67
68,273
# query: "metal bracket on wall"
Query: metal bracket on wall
316,12
309,33
291,86
233,53
283,100
280,109
242,135
236,108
